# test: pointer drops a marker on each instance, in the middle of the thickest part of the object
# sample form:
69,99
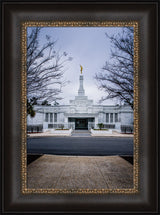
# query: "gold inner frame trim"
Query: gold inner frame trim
24,26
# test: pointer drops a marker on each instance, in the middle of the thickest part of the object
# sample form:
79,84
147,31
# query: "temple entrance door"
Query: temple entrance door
81,124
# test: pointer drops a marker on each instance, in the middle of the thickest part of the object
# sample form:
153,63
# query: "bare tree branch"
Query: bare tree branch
45,68
116,77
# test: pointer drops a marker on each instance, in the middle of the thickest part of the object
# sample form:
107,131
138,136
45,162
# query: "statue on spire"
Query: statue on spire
81,69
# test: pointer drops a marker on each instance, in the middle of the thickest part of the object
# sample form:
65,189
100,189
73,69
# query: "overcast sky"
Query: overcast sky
89,47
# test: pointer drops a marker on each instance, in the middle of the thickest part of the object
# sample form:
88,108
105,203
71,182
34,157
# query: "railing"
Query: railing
126,128
68,125
34,128
93,125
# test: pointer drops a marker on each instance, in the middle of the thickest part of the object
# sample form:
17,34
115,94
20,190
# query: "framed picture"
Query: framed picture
28,60
91,129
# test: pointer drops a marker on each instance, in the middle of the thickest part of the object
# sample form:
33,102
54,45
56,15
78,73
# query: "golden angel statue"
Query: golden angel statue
81,69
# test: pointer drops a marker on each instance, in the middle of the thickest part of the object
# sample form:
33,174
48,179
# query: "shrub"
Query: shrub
100,125
62,127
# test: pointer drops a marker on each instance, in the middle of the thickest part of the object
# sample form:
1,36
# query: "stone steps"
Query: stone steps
81,133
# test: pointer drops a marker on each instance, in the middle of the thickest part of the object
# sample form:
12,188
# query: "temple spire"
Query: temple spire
81,91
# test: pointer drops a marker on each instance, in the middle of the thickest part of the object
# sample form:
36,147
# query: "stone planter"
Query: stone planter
62,132
101,132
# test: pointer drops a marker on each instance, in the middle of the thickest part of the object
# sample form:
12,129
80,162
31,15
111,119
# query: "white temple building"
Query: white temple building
81,113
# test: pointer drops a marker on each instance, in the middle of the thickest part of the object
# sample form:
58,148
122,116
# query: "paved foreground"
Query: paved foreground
87,146
80,172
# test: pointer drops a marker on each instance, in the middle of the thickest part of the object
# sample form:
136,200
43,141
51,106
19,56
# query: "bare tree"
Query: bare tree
45,68
116,77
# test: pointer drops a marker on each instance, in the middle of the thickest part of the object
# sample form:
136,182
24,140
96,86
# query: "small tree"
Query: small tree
100,125
62,126
30,110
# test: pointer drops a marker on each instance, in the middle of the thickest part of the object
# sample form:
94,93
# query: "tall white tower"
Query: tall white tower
81,91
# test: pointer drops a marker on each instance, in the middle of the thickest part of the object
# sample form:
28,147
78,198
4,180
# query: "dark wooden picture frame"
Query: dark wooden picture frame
14,14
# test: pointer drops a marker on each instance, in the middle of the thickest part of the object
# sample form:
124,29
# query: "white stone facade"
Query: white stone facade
81,113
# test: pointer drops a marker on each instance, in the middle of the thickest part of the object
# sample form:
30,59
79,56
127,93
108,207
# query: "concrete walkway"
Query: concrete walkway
80,172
